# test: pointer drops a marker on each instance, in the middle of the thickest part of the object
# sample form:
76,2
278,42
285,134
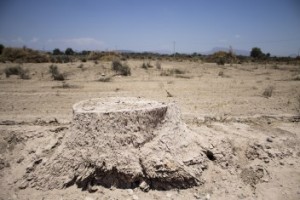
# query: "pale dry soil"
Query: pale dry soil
254,139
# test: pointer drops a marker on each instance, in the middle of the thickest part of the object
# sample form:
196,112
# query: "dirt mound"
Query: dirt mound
124,143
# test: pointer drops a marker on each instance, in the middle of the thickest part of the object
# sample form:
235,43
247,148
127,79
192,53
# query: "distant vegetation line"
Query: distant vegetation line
27,55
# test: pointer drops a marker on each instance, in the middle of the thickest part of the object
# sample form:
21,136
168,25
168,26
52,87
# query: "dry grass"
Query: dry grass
105,79
171,72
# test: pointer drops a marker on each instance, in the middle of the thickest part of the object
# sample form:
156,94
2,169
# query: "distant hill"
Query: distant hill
236,51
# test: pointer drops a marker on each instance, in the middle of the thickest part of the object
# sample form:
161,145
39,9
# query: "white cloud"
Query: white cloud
83,41
34,40
17,40
223,40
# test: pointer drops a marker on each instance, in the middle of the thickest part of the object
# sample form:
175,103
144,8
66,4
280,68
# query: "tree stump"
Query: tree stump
126,143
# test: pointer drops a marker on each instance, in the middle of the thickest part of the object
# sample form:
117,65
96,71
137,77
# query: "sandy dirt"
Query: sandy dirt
254,140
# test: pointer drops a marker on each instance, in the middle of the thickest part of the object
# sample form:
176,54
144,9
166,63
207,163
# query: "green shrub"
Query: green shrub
121,69
56,75
17,70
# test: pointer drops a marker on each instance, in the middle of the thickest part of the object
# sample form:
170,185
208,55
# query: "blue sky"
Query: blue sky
152,25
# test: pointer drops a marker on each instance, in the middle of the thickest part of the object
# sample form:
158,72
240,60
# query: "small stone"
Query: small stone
112,188
268,147
23,185
291,163
135,197
281,163
269,140
130,191
144,186
15,196
31,151
20,159
211,146
196,196
169,195
207,197
265,179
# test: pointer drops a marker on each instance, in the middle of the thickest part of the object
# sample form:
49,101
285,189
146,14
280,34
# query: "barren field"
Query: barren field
248,115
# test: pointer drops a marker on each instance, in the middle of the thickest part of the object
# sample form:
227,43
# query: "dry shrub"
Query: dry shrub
183,76
121,69
80,66
56,75
146,65
23,55
171,72
296,77
105,79
17,70
268,92
158,65
298,104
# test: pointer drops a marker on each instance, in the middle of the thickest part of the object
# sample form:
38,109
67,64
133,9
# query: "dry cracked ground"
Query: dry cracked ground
249,115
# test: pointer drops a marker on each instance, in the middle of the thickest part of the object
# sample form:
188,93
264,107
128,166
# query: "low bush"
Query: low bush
23,55
268,92
121,69
61,59
298,103
56,75
221,61
80,66
158,65
171,72
17,70
146,65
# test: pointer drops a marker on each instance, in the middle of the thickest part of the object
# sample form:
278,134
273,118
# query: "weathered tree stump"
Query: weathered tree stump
125,143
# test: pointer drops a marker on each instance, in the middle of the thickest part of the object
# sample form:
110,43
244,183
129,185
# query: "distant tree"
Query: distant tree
69,51
1,48
256,53
84,52
57,52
